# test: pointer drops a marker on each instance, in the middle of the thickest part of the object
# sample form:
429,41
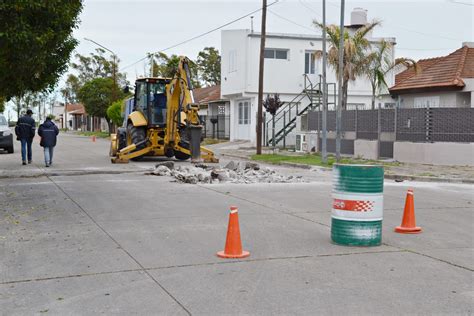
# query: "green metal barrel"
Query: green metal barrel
357,209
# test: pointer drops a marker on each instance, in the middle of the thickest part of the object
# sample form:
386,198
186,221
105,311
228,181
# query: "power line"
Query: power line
398,48
460,2
404,28
308,7
424,49
293,22
203,34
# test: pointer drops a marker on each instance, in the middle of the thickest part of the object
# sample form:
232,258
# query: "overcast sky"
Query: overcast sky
423,29
132,28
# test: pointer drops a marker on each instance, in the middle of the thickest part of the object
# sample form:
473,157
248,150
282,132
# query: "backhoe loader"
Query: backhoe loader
164,121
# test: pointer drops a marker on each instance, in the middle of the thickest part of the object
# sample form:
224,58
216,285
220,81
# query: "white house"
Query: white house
288,58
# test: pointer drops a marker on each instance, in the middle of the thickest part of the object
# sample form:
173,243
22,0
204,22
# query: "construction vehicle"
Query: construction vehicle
163,120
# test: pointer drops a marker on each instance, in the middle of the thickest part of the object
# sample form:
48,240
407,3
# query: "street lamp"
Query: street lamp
113,68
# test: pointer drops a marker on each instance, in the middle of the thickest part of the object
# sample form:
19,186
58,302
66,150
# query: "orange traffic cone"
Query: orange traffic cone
93,138
233,244
408,225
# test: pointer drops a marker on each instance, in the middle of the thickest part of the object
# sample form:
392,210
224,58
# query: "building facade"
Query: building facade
290,67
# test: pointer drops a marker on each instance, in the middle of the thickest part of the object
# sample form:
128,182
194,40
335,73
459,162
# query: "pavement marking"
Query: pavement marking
122,248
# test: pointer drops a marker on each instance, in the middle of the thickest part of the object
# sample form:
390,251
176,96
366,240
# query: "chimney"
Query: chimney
358,17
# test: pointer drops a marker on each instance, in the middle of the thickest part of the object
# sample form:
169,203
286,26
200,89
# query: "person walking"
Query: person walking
25,132
48,132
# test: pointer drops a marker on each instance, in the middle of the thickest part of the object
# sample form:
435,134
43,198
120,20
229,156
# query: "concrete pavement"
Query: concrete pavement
128,243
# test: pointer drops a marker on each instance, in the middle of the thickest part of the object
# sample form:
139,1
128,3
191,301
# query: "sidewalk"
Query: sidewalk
403,171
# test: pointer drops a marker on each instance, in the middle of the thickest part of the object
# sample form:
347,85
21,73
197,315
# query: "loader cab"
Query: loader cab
150,100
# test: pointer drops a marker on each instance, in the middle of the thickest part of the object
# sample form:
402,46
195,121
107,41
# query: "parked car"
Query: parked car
6,135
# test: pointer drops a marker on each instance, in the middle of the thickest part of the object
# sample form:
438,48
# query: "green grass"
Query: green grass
97,134
315,159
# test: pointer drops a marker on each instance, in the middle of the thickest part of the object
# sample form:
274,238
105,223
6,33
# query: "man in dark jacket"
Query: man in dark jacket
25,131
48,132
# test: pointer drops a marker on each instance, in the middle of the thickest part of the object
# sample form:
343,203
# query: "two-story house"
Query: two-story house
290,70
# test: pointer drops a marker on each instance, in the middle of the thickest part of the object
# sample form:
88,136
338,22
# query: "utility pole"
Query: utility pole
260,79
340,74
325,92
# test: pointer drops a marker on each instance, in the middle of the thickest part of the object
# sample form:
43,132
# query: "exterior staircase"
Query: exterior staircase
284,121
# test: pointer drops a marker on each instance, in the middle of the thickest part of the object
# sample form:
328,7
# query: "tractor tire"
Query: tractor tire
137,134
180,155
121,138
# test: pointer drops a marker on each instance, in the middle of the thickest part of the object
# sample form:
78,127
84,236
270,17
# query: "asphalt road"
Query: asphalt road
86,237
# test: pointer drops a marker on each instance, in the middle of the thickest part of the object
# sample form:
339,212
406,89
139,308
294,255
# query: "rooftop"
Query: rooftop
207,95
445,72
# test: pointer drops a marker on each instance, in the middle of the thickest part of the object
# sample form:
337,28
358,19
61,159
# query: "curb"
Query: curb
386,176
65,173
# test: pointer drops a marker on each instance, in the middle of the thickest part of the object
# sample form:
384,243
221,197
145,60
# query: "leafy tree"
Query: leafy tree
114,112
209,66
97,94
167,66
356,47
71,89
36,43
272,104
379,63
96,65
2,104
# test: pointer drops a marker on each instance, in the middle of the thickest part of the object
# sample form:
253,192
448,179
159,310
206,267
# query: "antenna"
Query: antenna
251,24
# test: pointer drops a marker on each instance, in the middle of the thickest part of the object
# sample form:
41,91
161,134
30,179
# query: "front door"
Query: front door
311,68
243,119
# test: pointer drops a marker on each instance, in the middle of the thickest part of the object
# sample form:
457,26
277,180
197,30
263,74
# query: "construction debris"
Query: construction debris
248,172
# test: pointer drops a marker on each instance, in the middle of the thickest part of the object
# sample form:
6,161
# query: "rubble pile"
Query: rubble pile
233,172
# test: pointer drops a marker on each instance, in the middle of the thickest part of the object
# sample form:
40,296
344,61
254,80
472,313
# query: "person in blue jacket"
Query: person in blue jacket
48,132
25,131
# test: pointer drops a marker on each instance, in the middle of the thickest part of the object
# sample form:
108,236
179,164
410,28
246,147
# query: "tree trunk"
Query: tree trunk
109,123
373,97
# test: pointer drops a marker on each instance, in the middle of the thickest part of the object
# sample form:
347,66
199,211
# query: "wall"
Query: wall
446,99
281,76
435,153
233,43
286,76
366,149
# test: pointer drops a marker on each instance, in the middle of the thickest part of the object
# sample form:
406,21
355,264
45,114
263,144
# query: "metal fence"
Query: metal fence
414,125
216,126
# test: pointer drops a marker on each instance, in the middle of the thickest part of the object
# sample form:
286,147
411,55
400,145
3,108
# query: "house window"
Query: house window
220,110
272,53
232,61
244,113
309,63
423,102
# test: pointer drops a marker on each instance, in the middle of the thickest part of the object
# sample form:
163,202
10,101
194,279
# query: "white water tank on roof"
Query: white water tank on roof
358,17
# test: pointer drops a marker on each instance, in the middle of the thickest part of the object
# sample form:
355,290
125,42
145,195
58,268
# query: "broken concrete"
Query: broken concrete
168,164
232,173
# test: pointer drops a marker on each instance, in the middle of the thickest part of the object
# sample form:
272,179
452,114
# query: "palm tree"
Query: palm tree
356,47
379,63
